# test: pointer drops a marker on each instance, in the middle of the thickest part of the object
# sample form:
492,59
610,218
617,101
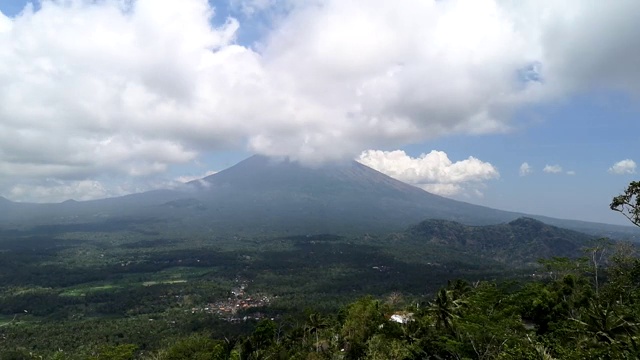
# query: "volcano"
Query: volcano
264,195
347,197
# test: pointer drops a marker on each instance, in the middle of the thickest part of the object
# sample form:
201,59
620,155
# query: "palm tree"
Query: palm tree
445,307
315,323
604,324
459,288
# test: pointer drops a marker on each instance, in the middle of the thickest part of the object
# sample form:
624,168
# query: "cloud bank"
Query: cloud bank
626,166
129,88
433,172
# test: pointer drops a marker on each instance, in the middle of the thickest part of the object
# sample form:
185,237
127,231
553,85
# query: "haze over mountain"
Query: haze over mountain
263,195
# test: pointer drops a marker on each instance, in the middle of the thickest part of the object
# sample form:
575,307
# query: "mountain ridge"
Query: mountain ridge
519,242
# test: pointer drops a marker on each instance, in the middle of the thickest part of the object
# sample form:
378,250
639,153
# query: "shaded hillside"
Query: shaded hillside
522,241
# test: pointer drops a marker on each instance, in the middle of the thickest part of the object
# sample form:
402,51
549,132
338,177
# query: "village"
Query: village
234,308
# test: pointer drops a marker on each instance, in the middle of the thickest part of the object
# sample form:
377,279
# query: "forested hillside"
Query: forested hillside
438,290
586,308
519,242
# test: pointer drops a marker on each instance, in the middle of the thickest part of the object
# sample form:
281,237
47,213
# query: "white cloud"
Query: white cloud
525,169
433,172
129,88
571,172
626,166
187,178
552,169
443,189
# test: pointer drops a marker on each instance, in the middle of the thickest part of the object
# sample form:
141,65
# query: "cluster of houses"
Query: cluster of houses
233,309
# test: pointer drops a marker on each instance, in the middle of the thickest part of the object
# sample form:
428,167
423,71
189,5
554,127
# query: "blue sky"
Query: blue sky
104,99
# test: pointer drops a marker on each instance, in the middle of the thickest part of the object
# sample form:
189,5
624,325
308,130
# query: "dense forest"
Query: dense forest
585,308
438,291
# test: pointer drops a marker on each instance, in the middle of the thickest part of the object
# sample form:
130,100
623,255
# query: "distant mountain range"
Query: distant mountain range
264,196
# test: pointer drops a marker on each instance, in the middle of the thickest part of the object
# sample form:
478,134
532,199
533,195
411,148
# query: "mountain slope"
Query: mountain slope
341,198
264,196
523,240
350,197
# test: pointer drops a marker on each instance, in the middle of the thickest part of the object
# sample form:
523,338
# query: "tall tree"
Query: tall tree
628,203
315,323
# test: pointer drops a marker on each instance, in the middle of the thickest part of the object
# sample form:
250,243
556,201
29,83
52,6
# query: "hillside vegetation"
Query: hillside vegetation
144,290
584,308
118,292
519,242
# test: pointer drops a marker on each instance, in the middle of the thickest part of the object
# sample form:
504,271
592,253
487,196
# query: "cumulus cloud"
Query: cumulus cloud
525,169
626,166
552,169
434,171
89,88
